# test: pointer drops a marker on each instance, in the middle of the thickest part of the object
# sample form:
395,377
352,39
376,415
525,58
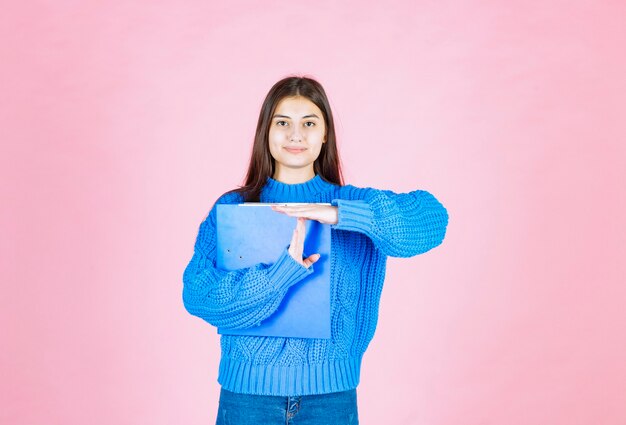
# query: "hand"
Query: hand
326,214
296,248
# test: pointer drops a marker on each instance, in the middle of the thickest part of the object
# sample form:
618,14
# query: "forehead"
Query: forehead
297,106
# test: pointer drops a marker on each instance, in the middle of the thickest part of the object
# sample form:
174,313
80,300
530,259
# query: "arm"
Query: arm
399,224
239,298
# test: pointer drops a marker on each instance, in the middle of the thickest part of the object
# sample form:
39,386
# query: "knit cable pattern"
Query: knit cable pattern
372,225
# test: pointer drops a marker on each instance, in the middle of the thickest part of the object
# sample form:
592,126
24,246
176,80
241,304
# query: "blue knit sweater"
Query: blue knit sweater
372,225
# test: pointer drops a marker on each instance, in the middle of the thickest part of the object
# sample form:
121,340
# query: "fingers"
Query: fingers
296,210
326,214
296,248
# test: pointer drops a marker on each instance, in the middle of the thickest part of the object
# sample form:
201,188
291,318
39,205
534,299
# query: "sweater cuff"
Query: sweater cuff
355,215
286,271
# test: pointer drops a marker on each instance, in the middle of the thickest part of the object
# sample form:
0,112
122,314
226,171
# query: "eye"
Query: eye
309,122
281,123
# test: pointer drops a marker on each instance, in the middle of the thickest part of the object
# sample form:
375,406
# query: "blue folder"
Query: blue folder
248,234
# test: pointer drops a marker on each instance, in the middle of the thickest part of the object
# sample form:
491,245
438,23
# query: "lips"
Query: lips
294,150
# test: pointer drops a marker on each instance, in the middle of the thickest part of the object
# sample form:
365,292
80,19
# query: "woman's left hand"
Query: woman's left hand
326,214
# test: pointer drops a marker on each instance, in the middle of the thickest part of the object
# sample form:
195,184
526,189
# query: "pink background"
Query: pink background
121,122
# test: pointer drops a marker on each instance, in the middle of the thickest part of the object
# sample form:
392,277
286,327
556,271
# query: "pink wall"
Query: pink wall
122,122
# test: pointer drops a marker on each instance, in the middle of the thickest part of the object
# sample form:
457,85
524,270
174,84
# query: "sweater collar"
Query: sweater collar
278,191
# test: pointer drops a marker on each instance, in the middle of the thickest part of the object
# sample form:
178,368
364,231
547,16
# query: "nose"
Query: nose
296,136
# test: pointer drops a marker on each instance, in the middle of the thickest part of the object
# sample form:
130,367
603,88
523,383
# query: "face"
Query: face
297,132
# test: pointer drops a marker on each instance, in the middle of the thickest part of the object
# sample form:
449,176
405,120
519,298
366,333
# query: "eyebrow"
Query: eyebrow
286,116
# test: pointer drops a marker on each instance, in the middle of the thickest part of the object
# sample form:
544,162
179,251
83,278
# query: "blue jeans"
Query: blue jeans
338,408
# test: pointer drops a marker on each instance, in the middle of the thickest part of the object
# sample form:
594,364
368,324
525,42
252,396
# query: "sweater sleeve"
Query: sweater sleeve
240,298
399,224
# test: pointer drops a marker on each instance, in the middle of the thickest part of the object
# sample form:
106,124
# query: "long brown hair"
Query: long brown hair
327,164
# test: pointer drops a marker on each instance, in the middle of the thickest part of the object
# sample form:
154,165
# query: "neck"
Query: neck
293,175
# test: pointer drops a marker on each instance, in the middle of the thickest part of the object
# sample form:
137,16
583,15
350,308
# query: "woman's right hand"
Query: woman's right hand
296,248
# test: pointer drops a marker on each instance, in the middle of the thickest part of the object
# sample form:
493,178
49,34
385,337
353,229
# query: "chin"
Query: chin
293,164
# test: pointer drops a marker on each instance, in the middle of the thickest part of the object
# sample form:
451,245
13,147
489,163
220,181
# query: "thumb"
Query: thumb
312,259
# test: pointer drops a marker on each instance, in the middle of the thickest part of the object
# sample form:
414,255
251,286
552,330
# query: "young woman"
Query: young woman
271,380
